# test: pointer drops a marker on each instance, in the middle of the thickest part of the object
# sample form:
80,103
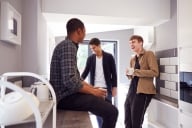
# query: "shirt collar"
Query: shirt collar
76,44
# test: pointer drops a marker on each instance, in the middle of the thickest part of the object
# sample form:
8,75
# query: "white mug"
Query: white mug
41,91
130,71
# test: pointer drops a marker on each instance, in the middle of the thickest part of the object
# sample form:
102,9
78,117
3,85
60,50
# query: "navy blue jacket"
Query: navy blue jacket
109,69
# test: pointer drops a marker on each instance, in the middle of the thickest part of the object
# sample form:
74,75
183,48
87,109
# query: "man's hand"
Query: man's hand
89,89
114,91
100,92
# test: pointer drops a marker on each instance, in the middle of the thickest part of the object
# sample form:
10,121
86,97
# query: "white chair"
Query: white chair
4,84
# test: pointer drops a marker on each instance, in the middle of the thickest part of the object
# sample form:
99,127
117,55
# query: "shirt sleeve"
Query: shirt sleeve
87,68
113,72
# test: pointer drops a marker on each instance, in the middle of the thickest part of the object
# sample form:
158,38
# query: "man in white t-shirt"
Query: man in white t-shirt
102,69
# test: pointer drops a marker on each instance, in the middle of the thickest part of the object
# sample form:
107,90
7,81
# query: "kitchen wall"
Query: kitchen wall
34,39
10,54
159,112
30,36
31,55
166,34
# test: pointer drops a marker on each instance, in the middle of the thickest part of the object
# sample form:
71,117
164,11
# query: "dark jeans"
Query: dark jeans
135,107
97,106
99,119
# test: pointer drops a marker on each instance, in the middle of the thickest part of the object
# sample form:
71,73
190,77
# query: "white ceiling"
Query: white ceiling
57,23
100,16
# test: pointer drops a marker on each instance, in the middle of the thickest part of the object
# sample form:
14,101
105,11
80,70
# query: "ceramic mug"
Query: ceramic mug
41,91
130,71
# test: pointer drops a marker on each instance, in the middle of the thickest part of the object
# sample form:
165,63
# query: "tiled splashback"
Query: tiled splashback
167,82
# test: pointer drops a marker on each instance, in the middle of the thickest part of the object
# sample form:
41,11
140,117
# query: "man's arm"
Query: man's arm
88,89
87,69
114,91
113,72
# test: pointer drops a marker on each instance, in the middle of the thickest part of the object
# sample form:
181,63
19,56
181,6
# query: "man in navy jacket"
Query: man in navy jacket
102,69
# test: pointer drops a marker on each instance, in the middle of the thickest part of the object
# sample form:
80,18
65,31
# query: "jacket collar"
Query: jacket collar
103,52
141,53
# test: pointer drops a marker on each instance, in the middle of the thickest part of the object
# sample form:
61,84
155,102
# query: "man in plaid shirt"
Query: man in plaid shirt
71,91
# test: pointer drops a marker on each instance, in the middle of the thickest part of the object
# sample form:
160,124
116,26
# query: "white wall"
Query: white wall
10,54
166,34
31,55
30,36
147,32
43,55
34,46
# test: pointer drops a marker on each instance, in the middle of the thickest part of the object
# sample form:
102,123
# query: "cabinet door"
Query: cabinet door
185,61
184,22
185,120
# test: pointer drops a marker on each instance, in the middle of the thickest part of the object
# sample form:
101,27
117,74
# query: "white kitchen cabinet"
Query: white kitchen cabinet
185,121
185,61
184,23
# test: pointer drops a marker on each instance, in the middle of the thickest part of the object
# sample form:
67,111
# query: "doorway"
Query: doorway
84,52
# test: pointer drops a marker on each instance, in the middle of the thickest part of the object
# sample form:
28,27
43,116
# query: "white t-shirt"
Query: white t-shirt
99,74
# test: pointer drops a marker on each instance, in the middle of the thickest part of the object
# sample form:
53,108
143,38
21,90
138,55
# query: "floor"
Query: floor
122,91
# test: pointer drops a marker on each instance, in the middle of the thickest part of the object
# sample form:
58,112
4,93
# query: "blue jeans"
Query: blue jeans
99,119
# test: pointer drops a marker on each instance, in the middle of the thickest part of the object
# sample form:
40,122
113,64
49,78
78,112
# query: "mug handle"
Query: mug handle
33,89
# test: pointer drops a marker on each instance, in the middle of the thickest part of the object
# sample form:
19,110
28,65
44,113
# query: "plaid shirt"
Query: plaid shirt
64,74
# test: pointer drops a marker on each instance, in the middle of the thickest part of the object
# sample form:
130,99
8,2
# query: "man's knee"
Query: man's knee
114,112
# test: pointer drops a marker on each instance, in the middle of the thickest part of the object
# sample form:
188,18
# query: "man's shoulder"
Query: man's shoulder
149,52
91,56
60,44
64,44
107,53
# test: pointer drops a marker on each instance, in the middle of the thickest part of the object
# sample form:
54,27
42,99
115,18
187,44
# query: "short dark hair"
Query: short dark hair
74,24
95,41
137,37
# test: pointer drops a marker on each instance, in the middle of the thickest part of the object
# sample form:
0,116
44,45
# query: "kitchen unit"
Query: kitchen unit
185,88
185,62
